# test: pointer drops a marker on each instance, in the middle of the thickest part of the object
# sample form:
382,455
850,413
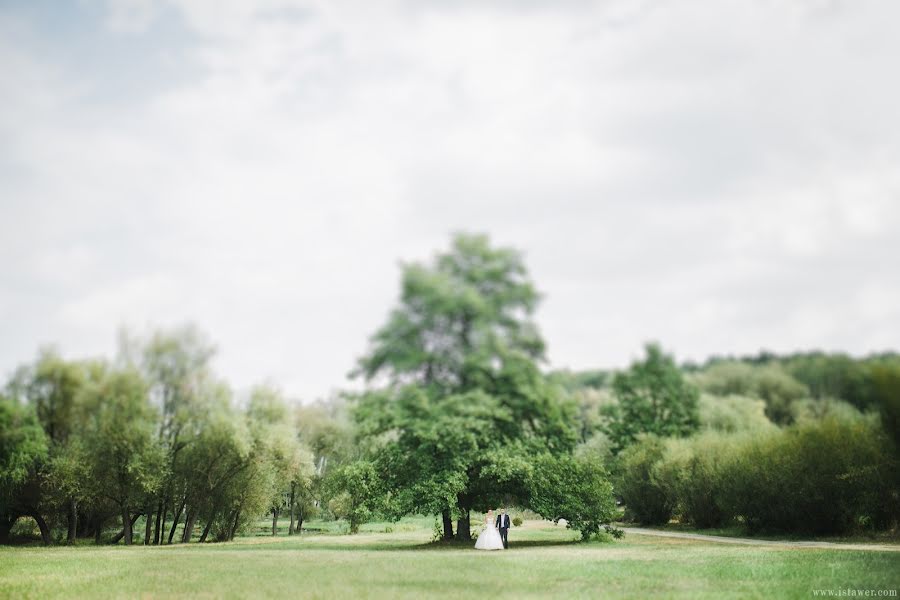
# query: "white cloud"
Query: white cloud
716,175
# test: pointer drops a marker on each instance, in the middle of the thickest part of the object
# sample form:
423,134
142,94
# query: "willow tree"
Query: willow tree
124,458
176,365
463,337
51,386
23,448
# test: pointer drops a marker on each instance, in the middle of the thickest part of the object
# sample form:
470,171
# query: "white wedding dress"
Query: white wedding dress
489,538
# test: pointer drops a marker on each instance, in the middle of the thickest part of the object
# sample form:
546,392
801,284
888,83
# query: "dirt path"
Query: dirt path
751,542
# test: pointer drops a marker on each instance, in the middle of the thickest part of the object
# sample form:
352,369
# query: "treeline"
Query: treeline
456,417
830,476
803,443
88,445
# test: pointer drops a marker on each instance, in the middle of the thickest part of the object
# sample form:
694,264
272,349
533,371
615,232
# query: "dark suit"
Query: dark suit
503,526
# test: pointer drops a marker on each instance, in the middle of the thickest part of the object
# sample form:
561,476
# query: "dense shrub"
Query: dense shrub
827,476
645,497
691,477
733,413
810,409
830,474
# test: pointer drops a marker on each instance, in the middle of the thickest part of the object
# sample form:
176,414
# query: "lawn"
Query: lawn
397,561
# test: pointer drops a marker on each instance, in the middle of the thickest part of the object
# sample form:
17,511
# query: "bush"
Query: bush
577,490
517,521
825,476
771,383
733,413
645,497
690,474
809,409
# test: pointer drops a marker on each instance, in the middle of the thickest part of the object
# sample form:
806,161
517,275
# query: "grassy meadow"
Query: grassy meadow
398,561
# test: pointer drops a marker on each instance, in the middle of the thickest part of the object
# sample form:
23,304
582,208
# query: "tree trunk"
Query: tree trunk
275,521
299,525
148,526
85,524
162,527
234,526
6,524
126,524
98,529
448,524
206,529
291,526
156,530
189,521
175,521
73,521
121,534
42,525
462,527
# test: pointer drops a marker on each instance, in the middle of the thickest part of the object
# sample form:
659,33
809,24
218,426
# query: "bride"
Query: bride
489,539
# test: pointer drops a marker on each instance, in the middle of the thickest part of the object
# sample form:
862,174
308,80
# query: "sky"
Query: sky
721,176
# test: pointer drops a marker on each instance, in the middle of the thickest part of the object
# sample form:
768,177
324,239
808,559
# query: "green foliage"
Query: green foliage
355,494
577,490
644,495
324,427
834,376
23,444
691,475
124,459
825,476
574,381
654,398
51,386
886,384
770,382
830,475
456,314
517,521
23,450
810,409
466,404
733,413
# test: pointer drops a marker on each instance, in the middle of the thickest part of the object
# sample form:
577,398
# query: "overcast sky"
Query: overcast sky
720,176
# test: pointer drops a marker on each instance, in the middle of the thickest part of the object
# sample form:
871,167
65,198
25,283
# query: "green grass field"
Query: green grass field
543,562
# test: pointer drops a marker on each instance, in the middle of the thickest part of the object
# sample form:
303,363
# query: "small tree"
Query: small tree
354,492
577,490
23,447
653,398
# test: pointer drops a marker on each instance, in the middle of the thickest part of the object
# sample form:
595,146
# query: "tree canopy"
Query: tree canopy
465,406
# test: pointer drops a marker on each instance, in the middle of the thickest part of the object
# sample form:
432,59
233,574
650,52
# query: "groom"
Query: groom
503,526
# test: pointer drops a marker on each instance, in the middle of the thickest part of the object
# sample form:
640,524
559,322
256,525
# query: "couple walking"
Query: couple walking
494,535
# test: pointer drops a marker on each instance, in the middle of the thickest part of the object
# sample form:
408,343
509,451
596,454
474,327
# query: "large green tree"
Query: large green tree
175,363
459,355
467,308
125,460
51,386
